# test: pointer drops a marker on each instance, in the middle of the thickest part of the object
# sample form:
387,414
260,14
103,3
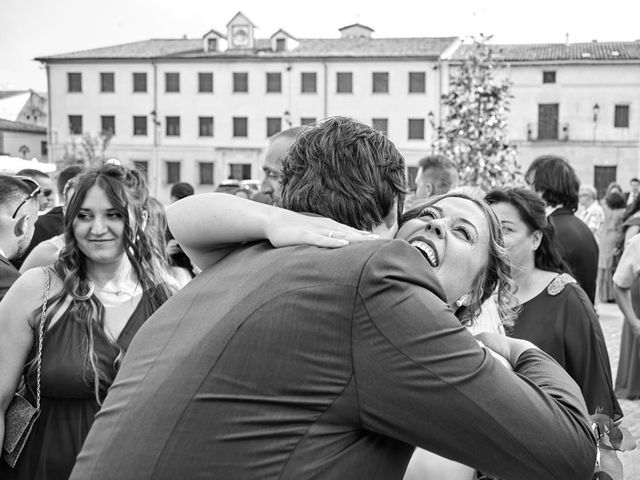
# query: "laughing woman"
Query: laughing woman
107,281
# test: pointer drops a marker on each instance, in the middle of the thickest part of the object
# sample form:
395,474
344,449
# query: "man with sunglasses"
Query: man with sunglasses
18,215
50,223
46,198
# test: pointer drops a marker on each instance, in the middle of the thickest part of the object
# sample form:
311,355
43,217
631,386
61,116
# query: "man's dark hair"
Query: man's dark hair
441,172
615,200
344,170
634,179
181,190
13,190
67,174
555,180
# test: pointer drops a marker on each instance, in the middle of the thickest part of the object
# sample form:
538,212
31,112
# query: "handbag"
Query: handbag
21,415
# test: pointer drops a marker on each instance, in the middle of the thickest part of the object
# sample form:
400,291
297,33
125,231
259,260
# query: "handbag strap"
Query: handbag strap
47,285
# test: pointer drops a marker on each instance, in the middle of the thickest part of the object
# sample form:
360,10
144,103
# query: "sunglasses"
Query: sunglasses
36,190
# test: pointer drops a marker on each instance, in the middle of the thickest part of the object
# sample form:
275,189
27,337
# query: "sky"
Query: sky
32,28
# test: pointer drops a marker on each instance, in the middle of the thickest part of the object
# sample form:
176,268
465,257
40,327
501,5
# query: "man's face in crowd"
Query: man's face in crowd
30,210
272,183
424,188
46,198
635,186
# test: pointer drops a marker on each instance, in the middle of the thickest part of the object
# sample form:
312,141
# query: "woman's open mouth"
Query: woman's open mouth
427,250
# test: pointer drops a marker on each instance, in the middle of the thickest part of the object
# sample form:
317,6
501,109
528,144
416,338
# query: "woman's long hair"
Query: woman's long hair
127,193
496,277
531,209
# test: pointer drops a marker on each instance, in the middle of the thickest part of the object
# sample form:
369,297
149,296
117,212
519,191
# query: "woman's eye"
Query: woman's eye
114,216
83,217
464,232
427,212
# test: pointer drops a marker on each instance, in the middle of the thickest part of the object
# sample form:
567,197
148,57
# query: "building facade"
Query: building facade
201,110
581,101
23,124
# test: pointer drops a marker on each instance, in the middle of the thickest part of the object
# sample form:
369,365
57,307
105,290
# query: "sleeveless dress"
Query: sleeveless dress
68,404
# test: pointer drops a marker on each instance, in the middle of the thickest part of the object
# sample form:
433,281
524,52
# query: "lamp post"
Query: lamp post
596,110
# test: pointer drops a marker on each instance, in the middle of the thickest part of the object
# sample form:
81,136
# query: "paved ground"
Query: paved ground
611,321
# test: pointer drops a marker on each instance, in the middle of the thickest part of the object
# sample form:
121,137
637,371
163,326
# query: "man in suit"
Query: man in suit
330,363
557,183
632,194
18,214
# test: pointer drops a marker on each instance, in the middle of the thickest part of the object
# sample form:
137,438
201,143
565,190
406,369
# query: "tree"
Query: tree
87,151
474,131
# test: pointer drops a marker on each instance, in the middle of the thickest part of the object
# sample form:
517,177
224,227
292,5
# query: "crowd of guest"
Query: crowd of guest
80,278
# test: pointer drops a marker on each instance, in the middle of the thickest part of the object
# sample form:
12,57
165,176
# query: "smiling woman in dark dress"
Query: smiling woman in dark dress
556,314
106,283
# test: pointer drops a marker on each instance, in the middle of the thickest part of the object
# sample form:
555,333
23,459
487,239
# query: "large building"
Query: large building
201,110
579,100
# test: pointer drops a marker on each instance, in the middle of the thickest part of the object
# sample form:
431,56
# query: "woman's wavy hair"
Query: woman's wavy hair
495,278
128,194
531,209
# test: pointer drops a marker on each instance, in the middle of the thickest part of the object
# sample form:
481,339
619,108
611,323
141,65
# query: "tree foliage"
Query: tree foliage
87,151
474,131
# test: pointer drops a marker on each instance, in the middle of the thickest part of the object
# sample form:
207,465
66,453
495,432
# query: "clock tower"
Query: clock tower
240,32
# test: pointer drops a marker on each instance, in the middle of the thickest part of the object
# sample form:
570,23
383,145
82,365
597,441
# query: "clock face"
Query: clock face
240,35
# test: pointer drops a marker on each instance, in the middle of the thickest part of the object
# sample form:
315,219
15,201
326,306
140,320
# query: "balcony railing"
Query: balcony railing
533,133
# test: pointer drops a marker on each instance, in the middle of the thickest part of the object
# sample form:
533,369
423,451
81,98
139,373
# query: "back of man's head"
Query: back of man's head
344,170
555,180
65,175
436,176
17,215
181,190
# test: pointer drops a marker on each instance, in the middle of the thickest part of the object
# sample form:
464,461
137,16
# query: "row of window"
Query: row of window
240,126
205,171
549,116
308,82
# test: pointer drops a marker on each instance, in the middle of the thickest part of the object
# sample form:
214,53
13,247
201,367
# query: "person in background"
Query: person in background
436,175
632,194
176,256
18,214
631,221
555,313
106,283
613,187
610,238
50,223
46,252
626,289
276,152
589,210
46,198
556,182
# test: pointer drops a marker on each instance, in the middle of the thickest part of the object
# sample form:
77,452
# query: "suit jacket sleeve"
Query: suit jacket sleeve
423,379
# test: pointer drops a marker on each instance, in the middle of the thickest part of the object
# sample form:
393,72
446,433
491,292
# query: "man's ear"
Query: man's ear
21,226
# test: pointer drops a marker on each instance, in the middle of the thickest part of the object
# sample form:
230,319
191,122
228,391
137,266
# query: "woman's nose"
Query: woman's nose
436,228
99,226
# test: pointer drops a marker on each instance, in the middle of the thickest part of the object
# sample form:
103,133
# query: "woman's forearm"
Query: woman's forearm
210,221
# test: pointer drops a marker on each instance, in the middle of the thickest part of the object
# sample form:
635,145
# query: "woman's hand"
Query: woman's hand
509,348
285,228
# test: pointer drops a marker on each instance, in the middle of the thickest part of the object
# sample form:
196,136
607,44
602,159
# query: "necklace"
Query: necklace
117,293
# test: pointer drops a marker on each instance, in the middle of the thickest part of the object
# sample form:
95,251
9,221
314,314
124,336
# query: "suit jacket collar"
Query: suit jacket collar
561,211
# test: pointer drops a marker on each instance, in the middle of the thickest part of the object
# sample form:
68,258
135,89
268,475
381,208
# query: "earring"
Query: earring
464,300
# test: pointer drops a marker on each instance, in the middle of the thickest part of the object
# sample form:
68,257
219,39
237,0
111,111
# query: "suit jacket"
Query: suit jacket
8,275
47,226
303,362
578,247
